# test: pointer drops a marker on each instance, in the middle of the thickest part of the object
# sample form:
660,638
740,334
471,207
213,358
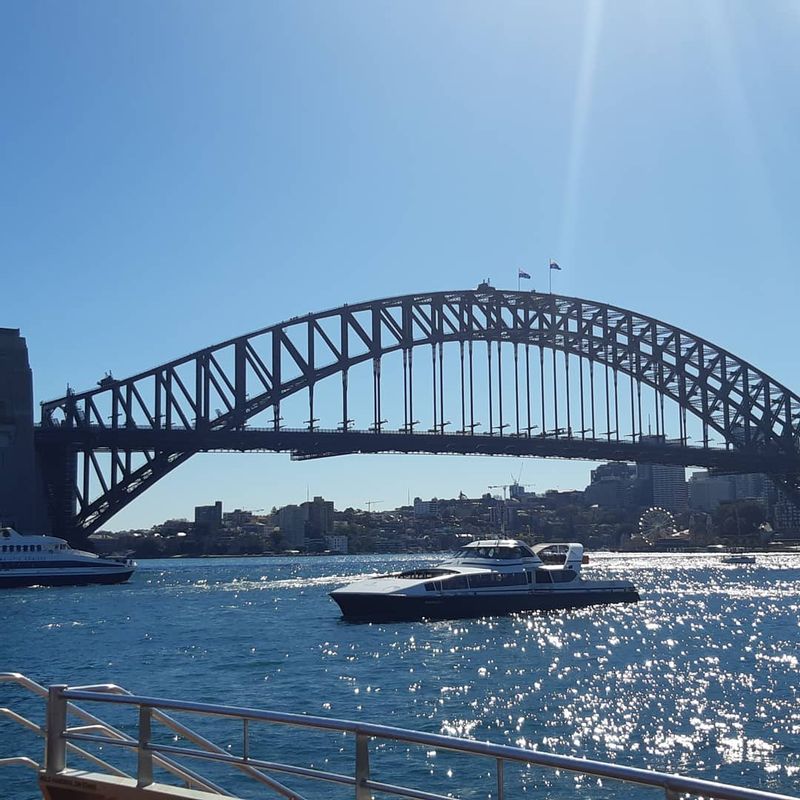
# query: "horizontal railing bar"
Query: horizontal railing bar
186,775
289,769
131,744
665,781
224,758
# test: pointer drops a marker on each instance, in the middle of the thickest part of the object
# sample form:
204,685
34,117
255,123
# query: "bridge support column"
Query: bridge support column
22,502
59,467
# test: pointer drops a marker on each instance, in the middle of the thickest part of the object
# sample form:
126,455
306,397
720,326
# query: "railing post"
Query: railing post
362,767
501,792
56,749
144,772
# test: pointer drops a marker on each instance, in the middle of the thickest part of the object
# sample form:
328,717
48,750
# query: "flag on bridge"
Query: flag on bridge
553,265
523,274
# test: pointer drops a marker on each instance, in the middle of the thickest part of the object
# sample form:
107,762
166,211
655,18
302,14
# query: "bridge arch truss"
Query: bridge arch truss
474,371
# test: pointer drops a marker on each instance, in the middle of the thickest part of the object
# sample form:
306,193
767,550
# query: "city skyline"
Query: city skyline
174,180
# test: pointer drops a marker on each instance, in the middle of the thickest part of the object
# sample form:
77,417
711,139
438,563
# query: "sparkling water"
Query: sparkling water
701,677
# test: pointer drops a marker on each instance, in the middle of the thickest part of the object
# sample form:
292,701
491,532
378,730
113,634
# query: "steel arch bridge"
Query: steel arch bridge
482,371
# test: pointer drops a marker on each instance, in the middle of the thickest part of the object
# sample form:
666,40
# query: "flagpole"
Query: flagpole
550,274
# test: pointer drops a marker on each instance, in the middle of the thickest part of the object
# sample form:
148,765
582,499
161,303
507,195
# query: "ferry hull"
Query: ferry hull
61,579
400,608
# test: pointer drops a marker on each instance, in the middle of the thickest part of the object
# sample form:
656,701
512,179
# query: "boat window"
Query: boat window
543,576
457,582
38,548
509,552
562,576
493,579
24,548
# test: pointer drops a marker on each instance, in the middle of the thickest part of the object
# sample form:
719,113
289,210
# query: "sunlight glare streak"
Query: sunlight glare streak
743,129
577,145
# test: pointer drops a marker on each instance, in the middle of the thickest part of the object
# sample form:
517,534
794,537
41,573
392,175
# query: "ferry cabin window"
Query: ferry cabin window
543,576
562,576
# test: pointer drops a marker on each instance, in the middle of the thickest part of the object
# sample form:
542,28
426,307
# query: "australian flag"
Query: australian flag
553,265
523,274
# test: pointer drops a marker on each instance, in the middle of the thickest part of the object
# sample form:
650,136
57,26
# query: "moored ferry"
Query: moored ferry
34,560
485,577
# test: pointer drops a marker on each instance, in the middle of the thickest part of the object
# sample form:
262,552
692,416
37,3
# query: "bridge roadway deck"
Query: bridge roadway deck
306,444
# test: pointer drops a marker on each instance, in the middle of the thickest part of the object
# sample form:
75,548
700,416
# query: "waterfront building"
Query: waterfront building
319,517
426,508
209,517
753,486
237,518
292,522
612,486
786,514
337,543
707,491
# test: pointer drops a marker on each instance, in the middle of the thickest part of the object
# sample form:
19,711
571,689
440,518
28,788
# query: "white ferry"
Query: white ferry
31,560
486,577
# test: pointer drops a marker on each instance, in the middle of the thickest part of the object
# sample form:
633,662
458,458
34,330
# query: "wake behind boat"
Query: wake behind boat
486,577
30,560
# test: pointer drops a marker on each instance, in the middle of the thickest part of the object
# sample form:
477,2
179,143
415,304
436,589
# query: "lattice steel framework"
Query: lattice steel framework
102,448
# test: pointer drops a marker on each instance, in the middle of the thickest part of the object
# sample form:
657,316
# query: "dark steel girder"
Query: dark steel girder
215,391
322,443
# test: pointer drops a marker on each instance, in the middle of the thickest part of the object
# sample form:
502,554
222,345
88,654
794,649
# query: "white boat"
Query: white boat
736,555
486,577
32,560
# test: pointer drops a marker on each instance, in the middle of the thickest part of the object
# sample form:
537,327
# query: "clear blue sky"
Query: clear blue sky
176,173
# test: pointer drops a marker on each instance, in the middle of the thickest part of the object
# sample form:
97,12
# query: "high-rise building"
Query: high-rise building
319,518
292,522
669,487
663,485
707,491
612,485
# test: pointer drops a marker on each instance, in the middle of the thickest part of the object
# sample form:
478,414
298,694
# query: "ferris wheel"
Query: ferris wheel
656,522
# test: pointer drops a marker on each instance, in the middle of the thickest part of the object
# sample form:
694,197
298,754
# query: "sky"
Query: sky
174,174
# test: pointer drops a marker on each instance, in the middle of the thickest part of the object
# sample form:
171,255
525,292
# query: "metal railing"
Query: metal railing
62,739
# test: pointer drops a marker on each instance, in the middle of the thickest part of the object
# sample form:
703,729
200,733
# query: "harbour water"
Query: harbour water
701,677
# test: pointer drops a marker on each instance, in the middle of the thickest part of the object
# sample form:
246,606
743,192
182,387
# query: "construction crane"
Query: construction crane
509,486
370,503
